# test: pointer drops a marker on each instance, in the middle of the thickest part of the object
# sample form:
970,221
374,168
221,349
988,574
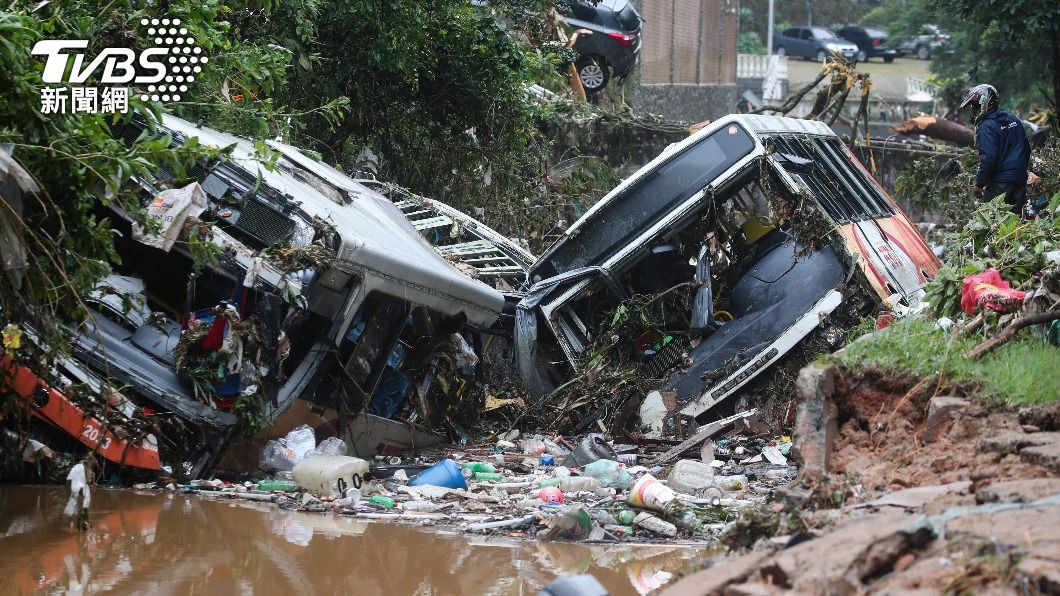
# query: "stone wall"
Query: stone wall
690,103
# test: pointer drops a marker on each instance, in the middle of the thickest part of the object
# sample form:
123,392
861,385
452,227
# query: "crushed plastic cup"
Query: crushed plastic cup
649,493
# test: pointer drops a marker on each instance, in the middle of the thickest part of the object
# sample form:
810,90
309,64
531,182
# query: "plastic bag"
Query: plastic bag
78,485
609,472
465,357
169,210
283,454
989,290
703,303
277,457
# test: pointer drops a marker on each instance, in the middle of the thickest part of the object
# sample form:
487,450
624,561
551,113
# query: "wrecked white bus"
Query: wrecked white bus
271,295
772,224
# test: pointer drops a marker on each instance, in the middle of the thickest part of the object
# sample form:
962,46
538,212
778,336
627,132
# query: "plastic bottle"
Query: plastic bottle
731,483
555,449
609,472
425,506
535,446
683,518
625,517
478,466
276,485
381,502
330,474
488,477
572,484
690,476
350,497
329,446
572,524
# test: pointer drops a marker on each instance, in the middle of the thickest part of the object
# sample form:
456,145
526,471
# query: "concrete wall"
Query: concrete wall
690,103
688,59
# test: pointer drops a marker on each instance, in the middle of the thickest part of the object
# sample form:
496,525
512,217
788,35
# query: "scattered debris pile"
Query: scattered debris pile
530,485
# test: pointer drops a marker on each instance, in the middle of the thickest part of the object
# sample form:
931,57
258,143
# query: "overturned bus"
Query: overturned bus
774,226
271,291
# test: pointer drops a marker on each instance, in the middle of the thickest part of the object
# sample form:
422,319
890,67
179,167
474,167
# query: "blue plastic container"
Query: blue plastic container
444,473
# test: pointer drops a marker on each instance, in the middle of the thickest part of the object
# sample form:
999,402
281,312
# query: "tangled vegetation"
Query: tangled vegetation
987,348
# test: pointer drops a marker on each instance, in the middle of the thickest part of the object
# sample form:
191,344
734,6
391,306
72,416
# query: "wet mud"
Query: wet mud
174,544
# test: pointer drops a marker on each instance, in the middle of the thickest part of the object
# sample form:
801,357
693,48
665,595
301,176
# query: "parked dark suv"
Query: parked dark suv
871,43
930,40
812,43
614,47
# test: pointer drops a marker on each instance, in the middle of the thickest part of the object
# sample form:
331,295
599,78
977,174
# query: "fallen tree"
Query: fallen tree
937,128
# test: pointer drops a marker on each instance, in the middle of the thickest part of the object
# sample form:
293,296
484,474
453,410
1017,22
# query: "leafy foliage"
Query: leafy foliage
748,42
1001,43
436,88
995,237
76,162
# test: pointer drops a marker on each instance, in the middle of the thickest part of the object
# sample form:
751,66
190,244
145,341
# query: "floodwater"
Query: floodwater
175,544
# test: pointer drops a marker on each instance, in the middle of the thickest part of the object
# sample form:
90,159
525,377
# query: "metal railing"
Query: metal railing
920,91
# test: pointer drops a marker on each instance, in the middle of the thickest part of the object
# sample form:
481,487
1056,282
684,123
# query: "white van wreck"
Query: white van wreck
772,224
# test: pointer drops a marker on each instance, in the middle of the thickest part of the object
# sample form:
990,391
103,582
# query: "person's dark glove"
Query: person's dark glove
977,191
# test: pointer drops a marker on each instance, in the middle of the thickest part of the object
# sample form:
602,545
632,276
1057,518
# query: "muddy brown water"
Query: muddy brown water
175,544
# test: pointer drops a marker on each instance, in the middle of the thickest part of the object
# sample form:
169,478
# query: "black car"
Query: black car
871,43
613,49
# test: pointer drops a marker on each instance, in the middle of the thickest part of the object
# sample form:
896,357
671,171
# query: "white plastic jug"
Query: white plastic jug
690,476
330,474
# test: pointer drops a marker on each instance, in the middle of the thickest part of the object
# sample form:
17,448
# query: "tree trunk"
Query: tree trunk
1009,332
1054,45
937,128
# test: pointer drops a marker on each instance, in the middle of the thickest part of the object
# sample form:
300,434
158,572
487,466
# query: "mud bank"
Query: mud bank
925,488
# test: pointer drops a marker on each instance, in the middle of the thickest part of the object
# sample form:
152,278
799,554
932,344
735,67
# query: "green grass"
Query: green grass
1022,371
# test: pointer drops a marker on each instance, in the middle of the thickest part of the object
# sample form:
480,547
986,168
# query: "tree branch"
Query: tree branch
1009,332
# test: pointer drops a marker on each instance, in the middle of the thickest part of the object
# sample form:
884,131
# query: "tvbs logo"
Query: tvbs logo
163,71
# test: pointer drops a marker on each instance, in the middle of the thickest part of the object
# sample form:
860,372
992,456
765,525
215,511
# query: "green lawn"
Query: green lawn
888,79
1023,371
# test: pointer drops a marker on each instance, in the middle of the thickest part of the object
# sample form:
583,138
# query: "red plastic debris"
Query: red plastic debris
989,290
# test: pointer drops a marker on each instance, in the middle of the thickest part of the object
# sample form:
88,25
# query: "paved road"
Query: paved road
889,79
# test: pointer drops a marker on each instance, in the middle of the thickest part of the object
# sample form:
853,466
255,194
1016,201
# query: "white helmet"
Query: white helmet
980,98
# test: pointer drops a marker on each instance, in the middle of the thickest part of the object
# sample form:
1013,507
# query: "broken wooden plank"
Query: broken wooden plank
705,433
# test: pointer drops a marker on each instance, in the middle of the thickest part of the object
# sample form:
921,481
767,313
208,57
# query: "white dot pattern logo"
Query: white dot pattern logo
168,33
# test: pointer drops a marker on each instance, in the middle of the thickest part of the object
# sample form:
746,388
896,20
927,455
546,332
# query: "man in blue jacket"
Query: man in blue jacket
1003,149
